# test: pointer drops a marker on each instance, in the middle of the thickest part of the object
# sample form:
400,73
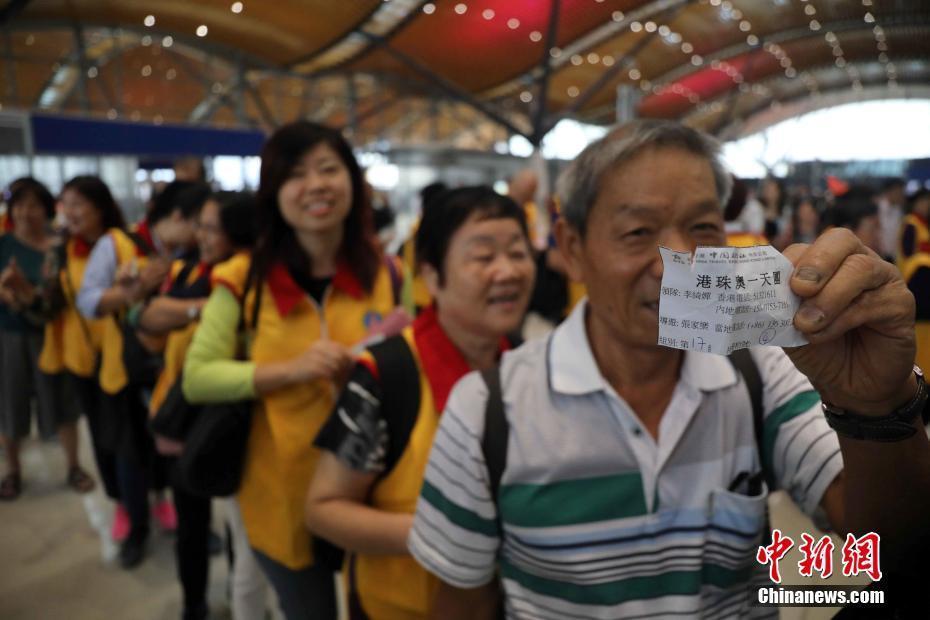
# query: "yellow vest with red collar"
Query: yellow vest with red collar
396,587
113,376
281,458
176,345
72,342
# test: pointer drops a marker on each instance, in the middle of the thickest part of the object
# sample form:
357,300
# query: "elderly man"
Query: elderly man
625,490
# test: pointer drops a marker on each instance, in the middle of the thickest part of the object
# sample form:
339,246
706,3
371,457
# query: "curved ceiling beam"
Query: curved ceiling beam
762,119
592,39
386,20
602,113
778,77
207,47
889,23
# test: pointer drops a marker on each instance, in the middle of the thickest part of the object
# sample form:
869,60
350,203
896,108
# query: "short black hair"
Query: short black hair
430,192
184,196
26,186
237,217
849,212
95,191
892,183
447,213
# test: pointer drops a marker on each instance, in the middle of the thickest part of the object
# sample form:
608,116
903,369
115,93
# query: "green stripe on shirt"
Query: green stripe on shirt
672,583
572,502
798,404
463,518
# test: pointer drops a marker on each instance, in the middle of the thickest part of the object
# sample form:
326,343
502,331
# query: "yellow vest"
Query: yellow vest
909,267
71,342
745,239
281,458
176,346
112,371
395,587
921,238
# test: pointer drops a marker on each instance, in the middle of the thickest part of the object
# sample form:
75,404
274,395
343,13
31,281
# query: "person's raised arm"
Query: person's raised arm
858,316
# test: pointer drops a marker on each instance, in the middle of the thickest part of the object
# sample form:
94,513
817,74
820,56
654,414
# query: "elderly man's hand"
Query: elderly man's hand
858,315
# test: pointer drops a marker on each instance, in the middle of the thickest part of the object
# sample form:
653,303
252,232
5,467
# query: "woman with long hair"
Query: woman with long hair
23,259
118,274
319,285
225,226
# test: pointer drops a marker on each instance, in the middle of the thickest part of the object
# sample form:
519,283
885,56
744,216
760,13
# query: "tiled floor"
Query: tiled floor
51,566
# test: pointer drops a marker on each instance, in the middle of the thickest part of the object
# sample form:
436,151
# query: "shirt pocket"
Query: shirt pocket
735,528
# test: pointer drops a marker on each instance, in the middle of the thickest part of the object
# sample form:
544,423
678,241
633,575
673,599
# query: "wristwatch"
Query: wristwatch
896,426
193,313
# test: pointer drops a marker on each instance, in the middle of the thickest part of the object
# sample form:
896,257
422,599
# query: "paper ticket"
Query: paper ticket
724,299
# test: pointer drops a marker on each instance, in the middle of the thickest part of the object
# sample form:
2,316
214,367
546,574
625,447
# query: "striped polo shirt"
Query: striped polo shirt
595,518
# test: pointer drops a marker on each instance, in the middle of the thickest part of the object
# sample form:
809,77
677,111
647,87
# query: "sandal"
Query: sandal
80,480
11,486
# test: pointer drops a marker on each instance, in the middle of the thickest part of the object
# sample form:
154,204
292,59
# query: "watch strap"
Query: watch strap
896,426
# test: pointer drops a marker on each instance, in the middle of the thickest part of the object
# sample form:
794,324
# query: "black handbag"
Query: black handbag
213,458
215,435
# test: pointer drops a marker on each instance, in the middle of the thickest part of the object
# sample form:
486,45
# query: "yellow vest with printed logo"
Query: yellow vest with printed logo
281,458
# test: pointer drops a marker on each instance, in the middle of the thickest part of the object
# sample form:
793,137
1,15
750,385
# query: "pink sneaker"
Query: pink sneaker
120,529
165,515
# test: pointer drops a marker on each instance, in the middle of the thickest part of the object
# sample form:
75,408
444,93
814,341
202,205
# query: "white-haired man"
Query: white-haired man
625,491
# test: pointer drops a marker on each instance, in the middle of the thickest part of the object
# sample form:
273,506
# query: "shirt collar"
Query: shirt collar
573,369
440,359
79,247
287,293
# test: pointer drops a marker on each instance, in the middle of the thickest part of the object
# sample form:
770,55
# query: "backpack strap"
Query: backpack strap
399,377
496,432
746,367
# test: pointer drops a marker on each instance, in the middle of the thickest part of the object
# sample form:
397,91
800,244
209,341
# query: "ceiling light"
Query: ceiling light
513,23
149,21
460,8
202,30
429,8
236,7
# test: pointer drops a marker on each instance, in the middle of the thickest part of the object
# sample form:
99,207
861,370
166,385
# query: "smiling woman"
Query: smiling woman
319,284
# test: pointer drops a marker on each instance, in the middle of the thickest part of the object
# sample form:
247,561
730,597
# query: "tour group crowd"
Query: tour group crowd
399,433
